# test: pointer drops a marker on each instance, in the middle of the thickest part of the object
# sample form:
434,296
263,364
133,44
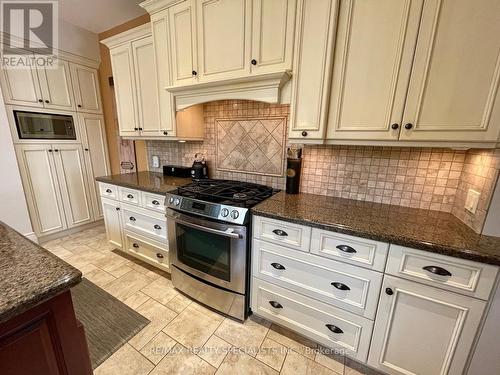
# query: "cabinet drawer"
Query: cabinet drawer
149,224
153,201
108,191
332,327
355,250
130,196
147,251
349,287
282,232
455,274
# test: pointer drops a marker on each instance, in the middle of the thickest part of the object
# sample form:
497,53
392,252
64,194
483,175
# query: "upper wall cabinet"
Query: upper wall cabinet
223,35
56,87
453,93
373,55
312,68
87,94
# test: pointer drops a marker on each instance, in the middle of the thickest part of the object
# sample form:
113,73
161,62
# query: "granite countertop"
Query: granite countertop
151,182
433,231
29,274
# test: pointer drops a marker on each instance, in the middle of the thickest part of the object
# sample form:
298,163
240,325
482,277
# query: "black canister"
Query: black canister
293,167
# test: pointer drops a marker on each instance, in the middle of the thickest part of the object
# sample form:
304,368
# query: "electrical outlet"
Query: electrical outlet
156,161
472,201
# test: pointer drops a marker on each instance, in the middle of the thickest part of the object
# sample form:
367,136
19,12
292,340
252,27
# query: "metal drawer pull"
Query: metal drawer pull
333,328
276,305
346,249
130,196
159,255
157,226
437,270
108,191
278,266
131,218
280,233
340,286
155,202
135,245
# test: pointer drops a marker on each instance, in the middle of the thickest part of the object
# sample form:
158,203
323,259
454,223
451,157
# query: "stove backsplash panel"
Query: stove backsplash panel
436,179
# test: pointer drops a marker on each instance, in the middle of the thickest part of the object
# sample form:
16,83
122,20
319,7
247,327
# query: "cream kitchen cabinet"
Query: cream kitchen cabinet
56,186
112,221
20,86
86,87
56,86
423,330
95,154
314,42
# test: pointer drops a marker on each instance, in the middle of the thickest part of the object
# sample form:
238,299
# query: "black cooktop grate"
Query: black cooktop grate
234,193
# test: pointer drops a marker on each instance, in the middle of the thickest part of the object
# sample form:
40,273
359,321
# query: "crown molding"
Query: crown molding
127,36
153,6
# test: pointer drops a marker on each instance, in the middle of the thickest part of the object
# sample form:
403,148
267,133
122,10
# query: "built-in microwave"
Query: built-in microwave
35,125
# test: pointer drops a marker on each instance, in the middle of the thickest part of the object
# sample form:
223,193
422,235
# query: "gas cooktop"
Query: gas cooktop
224,200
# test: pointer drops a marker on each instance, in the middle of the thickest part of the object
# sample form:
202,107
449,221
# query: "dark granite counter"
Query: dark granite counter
433,231
151,182
29,274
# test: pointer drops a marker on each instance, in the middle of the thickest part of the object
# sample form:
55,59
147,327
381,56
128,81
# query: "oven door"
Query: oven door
210,250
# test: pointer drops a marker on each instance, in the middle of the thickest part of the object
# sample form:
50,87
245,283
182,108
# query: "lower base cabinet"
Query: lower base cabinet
423,330
146,250
112,221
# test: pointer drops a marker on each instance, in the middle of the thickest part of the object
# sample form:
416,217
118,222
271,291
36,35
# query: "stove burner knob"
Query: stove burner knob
171,200
235,214
177,202
224,212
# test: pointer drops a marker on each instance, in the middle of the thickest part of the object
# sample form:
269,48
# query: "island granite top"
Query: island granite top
433,231
151,182
29,274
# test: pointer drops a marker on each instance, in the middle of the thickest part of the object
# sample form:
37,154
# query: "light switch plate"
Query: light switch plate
472,201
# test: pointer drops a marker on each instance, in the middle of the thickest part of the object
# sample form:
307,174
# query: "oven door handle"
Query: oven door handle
205,229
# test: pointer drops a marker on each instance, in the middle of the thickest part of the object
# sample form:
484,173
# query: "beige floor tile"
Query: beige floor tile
100,277
293,341
109,261
331,359
60,251
272,353
158,347
296,363
146,269
161,289
192,328
130,283
247,336
241,363
101,244
120,270
215,350
179,303
182,361
159,316
136,300
87,268
83,255
125,361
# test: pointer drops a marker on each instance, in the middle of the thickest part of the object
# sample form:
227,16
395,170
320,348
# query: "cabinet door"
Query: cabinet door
423,330
36,163
312,69
453,93
224,28
86,87
273,24
125,94
20,86
72,177
369,84
183,43
111,210
96,155
161,45
146,86
56,87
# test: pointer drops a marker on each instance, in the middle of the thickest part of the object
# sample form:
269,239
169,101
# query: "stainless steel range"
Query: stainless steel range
208,235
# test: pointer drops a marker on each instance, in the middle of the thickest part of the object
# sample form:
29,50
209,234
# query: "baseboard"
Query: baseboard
31,236
67,232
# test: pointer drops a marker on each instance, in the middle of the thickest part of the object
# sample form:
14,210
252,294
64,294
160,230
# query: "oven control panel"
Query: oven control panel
230,214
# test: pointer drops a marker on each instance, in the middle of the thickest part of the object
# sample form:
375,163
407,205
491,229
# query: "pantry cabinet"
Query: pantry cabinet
56,86
86,84
312,68
223,36
423,330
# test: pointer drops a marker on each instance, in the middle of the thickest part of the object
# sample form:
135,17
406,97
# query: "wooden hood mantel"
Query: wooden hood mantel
262,88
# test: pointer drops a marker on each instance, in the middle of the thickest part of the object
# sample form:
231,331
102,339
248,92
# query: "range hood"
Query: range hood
262,88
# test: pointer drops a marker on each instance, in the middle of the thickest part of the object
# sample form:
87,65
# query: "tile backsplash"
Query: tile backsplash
428,178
